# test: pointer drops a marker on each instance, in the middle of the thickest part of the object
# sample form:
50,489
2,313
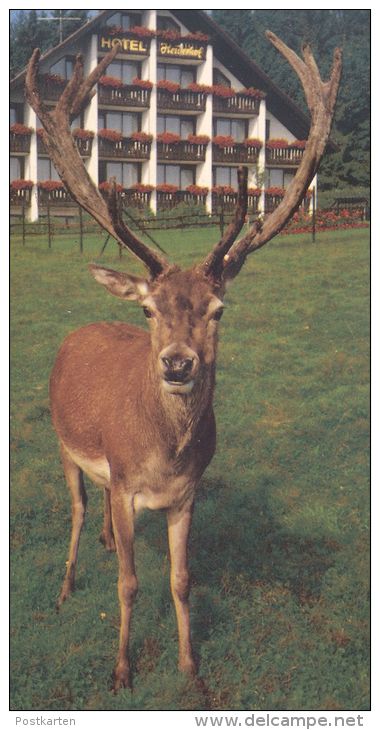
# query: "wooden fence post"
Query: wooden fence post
49,222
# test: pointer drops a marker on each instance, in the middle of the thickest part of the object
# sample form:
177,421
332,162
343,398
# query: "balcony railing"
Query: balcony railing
84,146
136,198
168,200
20,197
241,104
128,95
228,201
57,197
182,151
19,143
126,148
181,100
235,153
284,157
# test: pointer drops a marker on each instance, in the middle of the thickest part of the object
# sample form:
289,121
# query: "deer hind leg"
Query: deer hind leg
179,523
107,537
74,479
123,523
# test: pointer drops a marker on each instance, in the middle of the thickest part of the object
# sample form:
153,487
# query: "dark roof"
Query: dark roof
231,55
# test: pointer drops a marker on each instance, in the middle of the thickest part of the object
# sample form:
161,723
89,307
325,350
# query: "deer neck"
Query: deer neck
182,415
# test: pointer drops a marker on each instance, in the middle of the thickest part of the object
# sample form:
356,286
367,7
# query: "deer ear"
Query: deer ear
124,286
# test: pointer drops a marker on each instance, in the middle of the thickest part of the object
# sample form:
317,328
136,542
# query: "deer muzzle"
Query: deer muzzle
179,366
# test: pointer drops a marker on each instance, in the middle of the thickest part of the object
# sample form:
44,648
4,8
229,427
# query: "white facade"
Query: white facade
147,59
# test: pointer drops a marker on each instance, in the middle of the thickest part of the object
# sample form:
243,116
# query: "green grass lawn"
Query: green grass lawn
280,541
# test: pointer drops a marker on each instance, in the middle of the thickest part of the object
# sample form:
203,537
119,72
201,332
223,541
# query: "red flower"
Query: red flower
275,192
141,31
21,184
108,187
110,134
170,86
223,190
20,129
255,192
141,188
168,138
251,91
202,88
299,144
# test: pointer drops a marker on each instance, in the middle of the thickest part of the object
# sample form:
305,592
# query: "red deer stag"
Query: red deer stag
134,410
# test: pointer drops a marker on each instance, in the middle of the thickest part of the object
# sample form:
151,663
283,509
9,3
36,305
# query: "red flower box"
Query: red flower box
196,190
142,83
251,91
168,138
20,129
21,184
255,192
202,88
223,190
275,192
111,134
166,188
223,141
198,138
277,144
141,188
253,142
111,81
299,144
226,92
51,185
141,31
170,86
174,35
80,133
141,137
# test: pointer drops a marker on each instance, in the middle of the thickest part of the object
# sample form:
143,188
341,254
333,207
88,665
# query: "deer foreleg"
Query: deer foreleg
74,479
122,519
179,522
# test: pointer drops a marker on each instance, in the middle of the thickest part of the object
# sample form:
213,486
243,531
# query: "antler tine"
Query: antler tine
67,160
321,99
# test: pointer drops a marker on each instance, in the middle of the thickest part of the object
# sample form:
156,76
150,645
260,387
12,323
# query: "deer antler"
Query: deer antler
66,158
227,258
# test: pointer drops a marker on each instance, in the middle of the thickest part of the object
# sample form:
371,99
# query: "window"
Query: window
16,168
182,75
124,70
46,169
178,175
236,128
125,173
16,114
219,79
124,122
177,125
275,178
225,176
64,67
267,129
124,20
166,23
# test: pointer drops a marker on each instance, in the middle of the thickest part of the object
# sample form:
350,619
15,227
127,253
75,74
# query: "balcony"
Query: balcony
19,139
236,103
53,193
126,148
280,153
181,100
51,86
20,193
168,199
83,140
125,95
226,151
181,150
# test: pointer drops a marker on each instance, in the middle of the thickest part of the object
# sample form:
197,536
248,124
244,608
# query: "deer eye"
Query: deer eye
148,312
218,314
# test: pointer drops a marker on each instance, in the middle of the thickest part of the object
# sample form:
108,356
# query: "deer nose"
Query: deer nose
177,368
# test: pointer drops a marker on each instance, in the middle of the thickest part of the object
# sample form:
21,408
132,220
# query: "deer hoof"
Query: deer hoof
121,679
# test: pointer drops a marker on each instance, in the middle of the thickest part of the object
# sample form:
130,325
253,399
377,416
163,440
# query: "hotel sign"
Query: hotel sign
183,49
135,46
